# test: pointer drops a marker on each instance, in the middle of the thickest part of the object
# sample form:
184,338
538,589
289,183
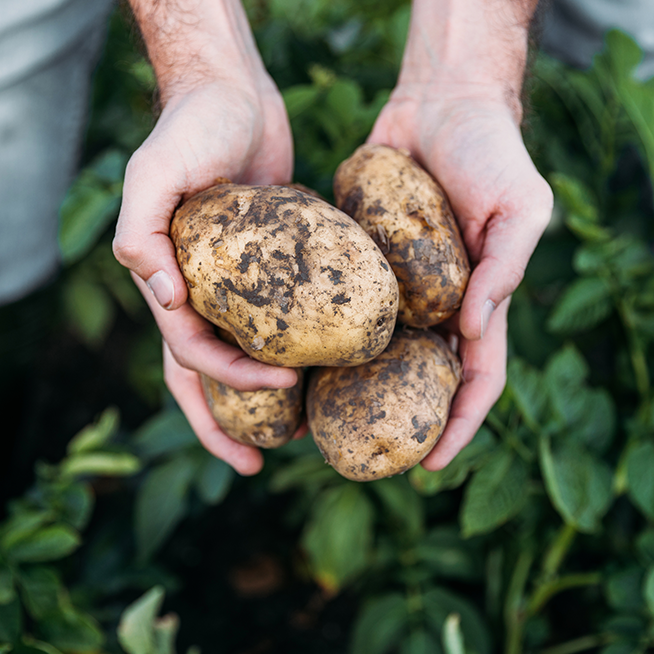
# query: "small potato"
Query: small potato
383,417
295,280
266,418
407,214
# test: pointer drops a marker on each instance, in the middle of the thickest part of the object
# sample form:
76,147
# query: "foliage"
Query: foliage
552,504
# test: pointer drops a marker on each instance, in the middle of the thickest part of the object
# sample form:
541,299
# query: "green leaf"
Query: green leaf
575,196
113,464
452,635
33,646
10,622
565,374
47,544
597,421
76,504
640,464
7,592
90,205
624,589
21,525
214,480
71,631
420,641
446,555
430,483
165,633
379,626
578,484
89,310
338,535
526,386
167,432
161,503
136,629
93,437
309,470
439,603
40,588
648,589
402,506
645,547
495,494
583,305
344,100
299,98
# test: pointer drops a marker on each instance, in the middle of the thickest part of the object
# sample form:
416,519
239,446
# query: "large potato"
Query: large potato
407,214
383,417
266,418
295,280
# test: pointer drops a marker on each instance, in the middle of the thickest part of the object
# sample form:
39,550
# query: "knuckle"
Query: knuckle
126,252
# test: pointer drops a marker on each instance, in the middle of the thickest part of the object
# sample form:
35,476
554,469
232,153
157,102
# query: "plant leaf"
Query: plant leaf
47,544
161,503
167,432
40,587
113,464
94,436
584,304
214,480
338,535
380,624
457,471
640,464
136,629
648,589
495,494
578,484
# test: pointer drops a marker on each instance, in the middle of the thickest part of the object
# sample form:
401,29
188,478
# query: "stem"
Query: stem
510,438
514,613
579,644
636,352
546,591
558,550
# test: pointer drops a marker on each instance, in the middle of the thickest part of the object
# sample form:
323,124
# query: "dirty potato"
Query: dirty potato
383,417
295,280
407,214
266,418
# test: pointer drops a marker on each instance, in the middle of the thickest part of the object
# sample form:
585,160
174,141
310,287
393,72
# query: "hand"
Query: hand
472,145
215,130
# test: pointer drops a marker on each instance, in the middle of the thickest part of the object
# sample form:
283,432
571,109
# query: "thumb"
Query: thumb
150,195
509,241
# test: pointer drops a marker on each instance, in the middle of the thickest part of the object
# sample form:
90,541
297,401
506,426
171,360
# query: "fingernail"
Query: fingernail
162,288
486,311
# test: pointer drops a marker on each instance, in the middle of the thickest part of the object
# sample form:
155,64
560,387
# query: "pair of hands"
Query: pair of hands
469,142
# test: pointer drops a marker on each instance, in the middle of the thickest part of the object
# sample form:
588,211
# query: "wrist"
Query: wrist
468,49
195,43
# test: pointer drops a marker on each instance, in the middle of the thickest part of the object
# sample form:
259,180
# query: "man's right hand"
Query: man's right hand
223,118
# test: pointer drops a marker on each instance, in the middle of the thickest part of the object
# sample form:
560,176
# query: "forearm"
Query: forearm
195,42
477,46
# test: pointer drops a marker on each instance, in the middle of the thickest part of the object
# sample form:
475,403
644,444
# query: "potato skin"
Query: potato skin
295,280
383,417
407,214
266,418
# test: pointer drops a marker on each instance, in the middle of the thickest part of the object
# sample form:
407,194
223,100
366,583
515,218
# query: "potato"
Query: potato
295,280
383,417
266,418
407,214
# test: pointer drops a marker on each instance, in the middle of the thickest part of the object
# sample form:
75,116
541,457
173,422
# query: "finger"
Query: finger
193,344
484,374
186,388
509,239
154,185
